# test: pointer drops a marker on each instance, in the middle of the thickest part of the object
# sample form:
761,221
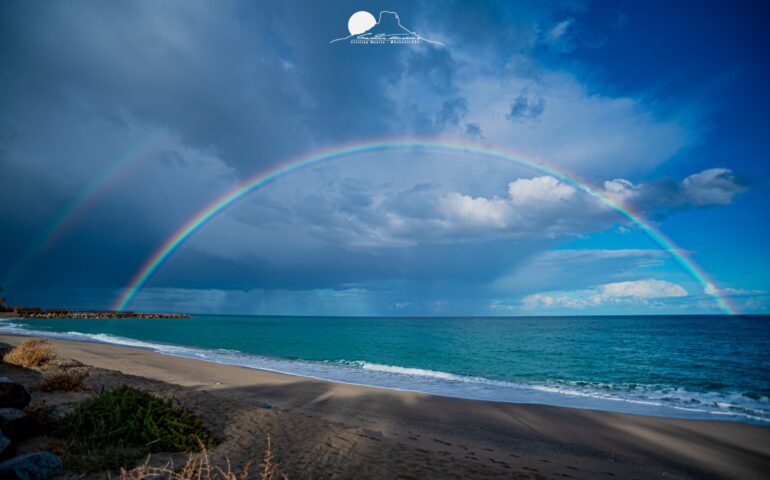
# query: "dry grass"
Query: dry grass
63,381
42,413
269,467
31,353
199,468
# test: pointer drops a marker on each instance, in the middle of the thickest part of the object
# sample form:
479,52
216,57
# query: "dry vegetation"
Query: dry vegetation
42,414
31,353
63,381
200,468
110,429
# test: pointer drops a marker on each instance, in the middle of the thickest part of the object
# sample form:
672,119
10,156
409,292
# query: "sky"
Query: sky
120,121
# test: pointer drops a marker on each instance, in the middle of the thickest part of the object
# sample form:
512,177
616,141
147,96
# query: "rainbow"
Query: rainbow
230,197
69,215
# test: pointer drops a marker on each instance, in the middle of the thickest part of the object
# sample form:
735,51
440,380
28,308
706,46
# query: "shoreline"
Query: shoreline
626,444
417,380
426,382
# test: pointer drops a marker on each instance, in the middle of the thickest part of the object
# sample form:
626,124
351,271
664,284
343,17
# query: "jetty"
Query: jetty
37,312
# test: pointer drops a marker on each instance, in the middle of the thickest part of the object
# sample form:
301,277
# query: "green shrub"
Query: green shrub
125,423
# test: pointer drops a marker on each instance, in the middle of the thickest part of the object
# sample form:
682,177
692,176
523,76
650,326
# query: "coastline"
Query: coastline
379,368
504,438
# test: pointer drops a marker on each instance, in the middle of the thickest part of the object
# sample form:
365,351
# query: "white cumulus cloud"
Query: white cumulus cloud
632,291
548,189
478,211
642,289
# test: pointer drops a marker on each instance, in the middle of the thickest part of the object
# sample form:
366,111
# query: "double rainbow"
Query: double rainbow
221,203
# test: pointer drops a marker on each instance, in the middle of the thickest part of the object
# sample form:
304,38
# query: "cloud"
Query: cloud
558,38
715,186
633,291
556,270
479,211
546,207
642,289
576,127
538,190
526,108
355,213
315,302
196,97
711,289
711,187
539,207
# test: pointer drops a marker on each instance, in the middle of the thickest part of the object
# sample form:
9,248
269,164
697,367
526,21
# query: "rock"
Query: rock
17,425
13,395
5,446
32,466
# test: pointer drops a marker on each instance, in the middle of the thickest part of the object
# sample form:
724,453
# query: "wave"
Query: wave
660,400
714,403
420,372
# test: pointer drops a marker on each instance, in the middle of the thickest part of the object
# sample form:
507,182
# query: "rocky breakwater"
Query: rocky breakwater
36,312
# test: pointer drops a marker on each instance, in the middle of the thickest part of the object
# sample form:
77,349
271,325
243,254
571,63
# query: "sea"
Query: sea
706,367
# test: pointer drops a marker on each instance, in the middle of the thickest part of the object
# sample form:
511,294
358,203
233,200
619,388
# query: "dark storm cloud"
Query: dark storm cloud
250,84
254,84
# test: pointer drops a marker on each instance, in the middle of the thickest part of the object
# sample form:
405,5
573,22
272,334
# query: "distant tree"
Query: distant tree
2,300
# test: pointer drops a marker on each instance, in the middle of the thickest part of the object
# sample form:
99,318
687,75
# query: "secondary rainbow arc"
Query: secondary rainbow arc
230,197
56,228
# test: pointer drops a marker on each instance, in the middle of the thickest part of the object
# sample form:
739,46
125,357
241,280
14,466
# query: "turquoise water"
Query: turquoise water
685,366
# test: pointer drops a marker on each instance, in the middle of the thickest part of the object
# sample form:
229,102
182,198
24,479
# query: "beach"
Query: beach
323,429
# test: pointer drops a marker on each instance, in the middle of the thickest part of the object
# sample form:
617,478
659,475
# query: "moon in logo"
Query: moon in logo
360,22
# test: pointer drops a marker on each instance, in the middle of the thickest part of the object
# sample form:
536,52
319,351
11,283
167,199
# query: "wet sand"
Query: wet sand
325,429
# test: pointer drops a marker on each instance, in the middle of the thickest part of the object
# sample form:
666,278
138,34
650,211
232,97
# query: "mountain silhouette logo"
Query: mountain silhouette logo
365,30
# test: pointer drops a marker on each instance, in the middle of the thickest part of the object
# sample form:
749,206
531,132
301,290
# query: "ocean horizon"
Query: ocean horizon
685,366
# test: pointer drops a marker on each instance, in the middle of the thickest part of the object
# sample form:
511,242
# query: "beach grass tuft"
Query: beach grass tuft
31,353
63,381
199,468
118,427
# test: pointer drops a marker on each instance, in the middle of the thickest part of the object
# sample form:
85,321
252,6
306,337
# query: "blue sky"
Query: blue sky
662,106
